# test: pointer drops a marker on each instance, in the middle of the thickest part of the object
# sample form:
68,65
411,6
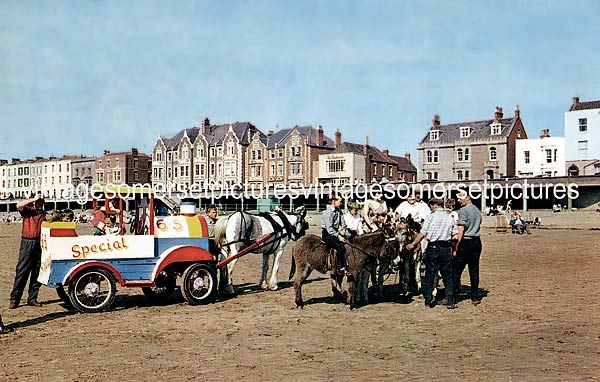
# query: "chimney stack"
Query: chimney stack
517,112
270,133
435,122
366,147
16,160
407,155
575,103
545,133
498,114
134,151
320,136
106,152
338,138
206,127
386,152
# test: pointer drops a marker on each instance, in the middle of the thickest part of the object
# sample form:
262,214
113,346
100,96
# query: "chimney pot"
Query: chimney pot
517,112
545,133
206,127
435,121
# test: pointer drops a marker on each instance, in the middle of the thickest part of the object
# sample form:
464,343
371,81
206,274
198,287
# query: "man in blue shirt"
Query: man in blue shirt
468,246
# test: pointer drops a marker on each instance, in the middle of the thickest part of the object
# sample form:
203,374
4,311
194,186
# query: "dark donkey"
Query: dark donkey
310,253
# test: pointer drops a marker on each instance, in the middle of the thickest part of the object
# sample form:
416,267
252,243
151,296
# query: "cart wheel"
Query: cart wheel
64,296
92,290
163,289
199,284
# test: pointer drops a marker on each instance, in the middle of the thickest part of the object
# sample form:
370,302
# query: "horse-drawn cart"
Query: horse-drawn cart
86,268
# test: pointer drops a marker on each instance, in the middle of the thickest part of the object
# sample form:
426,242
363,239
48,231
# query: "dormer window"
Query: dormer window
434,135
465,132
496,129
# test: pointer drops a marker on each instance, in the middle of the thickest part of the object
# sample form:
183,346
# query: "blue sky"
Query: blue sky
78,77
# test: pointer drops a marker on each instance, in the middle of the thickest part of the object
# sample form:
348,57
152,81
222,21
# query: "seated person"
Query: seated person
101,219
518,224
353,220
374,212
334,232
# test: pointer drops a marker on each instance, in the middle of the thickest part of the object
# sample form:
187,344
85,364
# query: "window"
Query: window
299,169
582,125
336,165
555,155
465,132
280,153
459,175
258,170
548,156
466,175
185,154
527,157
212,169
212,151
435,156
272,154
495,129
435,175
158,156
429,157
434,135
582,147
279,169
459,156
272,169
493,154
467,155
293,169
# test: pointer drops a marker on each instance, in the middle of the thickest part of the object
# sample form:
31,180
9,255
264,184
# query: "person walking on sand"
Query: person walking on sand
30,252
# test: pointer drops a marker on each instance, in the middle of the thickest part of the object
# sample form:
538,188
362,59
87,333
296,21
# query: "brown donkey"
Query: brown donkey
310,253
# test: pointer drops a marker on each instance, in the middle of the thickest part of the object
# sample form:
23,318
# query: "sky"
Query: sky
78,77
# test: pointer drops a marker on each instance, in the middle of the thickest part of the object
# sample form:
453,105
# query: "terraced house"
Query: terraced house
473,150
287,156
203,156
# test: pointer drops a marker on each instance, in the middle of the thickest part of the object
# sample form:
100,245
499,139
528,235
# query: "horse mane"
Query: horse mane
220,229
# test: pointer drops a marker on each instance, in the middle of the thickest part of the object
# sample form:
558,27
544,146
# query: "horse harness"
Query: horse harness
275,241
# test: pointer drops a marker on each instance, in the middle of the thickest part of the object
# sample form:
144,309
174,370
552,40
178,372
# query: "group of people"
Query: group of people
453,238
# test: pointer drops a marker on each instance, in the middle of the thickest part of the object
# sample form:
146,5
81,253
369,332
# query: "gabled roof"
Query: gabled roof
404,164
355,148
585,105
308,134
479,129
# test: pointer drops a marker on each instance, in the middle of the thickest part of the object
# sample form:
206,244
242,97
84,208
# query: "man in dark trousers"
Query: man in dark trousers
30,253
468,245
440,230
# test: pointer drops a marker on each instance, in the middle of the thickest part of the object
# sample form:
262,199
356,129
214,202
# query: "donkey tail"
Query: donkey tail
293,268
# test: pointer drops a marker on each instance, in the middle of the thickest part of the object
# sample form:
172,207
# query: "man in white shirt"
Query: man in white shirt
418,210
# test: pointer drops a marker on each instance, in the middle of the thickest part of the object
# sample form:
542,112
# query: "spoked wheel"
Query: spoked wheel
92,290
163,289
199,284
64,296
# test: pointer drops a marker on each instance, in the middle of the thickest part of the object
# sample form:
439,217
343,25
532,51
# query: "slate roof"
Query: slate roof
585,105
242,130
376,154
479,129
404,164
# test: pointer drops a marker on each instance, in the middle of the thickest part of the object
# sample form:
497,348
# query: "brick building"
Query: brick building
129,167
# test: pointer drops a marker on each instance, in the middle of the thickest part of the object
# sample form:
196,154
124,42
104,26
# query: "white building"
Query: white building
342,168
544,156
582,130
51,176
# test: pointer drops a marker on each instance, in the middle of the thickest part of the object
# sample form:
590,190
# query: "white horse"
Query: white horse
242,229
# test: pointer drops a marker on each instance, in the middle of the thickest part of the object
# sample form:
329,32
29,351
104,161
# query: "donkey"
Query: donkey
311,253
408,262
241,229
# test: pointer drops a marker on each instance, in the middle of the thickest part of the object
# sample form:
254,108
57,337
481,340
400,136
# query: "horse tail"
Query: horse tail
220,230
293,268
